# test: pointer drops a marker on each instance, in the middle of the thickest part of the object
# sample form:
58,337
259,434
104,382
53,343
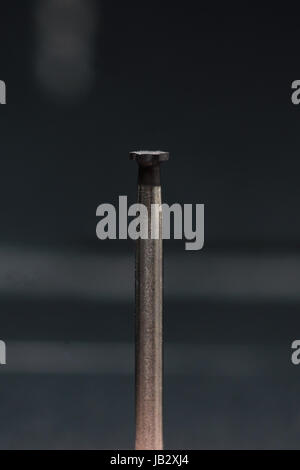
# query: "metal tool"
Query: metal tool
149,307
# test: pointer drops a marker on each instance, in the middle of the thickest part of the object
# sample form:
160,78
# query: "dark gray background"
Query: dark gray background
212,85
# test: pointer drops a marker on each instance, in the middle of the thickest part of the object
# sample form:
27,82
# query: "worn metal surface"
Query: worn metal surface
149,285
149,309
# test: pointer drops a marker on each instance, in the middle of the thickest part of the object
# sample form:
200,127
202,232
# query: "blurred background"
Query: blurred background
87,82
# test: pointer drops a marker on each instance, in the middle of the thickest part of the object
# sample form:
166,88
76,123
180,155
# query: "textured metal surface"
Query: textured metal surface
147,157
149,347
149,306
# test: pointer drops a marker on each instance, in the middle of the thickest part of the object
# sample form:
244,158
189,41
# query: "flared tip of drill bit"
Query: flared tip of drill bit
148,157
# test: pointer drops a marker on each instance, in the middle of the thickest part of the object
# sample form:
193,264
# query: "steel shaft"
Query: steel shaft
149,309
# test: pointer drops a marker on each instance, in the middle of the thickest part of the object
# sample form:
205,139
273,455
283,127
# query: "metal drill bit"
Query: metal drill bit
149,310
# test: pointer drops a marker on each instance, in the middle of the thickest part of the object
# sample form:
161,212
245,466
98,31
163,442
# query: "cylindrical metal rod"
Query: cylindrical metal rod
149,307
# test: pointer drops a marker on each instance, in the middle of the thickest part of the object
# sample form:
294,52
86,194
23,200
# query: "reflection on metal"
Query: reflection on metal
65,45
149,300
